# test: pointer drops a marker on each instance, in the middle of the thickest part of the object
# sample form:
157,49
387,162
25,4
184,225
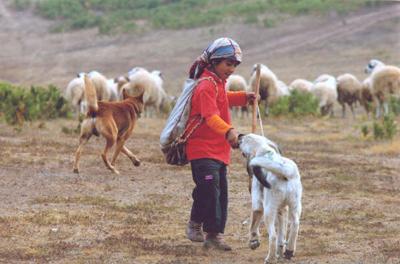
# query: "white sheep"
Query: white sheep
366,97
301,85
324,89
74,93
349,90
100,83
385,82
236,83
373,65
112,87
154,96
276,192
269,88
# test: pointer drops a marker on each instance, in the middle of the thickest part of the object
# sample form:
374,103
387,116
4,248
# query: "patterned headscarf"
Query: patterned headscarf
222,48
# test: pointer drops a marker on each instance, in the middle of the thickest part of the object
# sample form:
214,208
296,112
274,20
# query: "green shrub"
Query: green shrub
389,126
394,105
385,128
378,131
18,104
297,104
117,15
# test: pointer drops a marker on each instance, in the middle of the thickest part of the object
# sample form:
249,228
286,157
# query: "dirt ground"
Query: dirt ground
351,201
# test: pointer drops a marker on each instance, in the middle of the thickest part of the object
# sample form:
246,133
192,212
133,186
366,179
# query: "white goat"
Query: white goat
324,89
282,190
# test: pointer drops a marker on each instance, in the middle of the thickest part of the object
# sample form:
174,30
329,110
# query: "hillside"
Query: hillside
302,46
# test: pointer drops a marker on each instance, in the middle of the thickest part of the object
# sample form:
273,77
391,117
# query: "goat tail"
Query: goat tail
90,96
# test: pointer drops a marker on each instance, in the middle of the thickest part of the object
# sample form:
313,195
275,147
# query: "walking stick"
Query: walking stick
256,110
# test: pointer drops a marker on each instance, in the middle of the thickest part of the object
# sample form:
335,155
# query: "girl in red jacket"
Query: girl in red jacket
208,148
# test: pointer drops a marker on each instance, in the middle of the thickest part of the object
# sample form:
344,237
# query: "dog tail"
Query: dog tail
90,96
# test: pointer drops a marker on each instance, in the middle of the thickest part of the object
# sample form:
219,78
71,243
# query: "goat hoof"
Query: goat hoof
136,163
253,244
288,254
76,170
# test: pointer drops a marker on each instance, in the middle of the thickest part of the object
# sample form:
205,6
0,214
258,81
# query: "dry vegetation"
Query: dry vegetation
50,215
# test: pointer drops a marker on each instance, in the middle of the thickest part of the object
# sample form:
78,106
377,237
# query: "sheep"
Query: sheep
112,87
349,91
236,83
385,82
276,192
269,88
366,97
154,96
301,85
100,83
324,89
74,93
373,65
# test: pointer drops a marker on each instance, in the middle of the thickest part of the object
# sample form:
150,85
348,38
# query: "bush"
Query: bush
173,14
297,104
394,105
18,104
385,128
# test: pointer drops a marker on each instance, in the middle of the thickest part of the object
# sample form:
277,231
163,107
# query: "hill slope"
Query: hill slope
300,47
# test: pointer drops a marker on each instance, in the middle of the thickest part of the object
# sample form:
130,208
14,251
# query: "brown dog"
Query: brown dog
113,120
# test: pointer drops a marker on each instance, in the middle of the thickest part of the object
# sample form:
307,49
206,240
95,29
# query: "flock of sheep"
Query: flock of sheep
155,98
373,93
382,83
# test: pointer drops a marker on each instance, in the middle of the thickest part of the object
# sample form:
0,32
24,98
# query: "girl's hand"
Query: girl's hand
251,96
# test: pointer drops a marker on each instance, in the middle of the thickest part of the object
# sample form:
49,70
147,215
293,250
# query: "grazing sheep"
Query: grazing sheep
366,97
269,88
373,65
100,83
385,82
349,91
237,83
112,87
74,93
154,95
276,192
324,89
283,89
301,85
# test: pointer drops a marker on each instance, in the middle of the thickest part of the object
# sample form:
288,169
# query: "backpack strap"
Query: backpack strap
197,120
211,79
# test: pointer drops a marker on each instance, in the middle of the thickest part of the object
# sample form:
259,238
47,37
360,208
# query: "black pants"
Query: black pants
210,196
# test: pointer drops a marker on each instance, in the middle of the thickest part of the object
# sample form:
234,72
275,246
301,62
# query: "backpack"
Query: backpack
177,130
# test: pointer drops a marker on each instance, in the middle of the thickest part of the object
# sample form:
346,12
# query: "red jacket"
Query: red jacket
208,140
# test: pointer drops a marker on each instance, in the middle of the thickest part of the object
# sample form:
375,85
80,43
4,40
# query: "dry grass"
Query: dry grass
51,215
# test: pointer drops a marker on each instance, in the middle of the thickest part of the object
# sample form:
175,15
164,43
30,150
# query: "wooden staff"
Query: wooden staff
255,102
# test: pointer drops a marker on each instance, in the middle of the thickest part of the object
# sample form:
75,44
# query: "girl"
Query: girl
208,148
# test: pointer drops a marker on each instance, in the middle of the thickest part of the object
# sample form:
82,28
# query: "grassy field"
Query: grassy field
50,215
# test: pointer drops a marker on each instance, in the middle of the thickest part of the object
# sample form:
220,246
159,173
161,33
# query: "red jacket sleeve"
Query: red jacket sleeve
237,98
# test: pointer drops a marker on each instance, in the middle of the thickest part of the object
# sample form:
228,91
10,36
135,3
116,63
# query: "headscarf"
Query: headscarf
222,48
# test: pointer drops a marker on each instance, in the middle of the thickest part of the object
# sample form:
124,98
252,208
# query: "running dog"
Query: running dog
276,188
115,121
